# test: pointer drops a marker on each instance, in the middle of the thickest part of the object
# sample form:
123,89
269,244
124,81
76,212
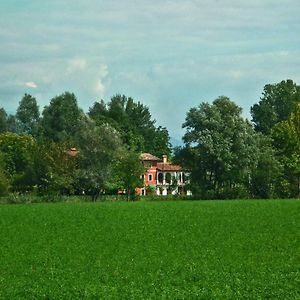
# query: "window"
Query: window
150,177
168,178
160,177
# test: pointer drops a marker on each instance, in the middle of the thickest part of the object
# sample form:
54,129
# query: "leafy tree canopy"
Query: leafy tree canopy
286,138
128,172
133,121
62,119
98,149
221,147
28,115
3,120
278,101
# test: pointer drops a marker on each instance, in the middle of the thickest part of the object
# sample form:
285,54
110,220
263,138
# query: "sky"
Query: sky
169,55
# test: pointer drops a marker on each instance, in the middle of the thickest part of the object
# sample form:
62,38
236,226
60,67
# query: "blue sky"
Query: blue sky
170,55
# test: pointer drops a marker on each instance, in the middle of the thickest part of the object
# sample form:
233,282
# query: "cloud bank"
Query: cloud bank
171,55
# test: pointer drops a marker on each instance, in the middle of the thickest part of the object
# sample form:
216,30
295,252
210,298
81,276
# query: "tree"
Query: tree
3,120
221,148
129,170
266,173
53,169
62,119
98,149
134,122
12,124
286,137
17,153
278,101
28,115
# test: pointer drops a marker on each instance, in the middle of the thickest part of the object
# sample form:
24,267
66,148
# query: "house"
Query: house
162,177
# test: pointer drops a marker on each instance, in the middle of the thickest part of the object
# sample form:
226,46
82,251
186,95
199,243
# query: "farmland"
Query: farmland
151,250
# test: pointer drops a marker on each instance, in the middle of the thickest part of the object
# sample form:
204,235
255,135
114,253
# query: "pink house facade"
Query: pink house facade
162,177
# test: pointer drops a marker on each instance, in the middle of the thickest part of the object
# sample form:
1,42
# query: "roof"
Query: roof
168,167
149,157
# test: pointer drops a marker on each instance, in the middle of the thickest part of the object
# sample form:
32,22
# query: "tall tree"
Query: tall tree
278,101
286,137
134,122
62,119
221,148
28,115
266,173
12,125
3,120
98,149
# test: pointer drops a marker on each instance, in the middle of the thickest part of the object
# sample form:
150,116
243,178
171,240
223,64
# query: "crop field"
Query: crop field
151,250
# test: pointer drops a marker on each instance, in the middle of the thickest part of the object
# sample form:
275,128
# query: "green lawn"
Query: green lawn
151,250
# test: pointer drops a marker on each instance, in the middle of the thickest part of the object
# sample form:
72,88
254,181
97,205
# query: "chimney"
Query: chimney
165,159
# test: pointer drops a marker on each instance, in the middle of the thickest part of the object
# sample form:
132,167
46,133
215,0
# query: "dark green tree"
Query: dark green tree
135,124
98,149
62,119
278,101
28,115
129,170
267,172
286,138
12,125
221,149
3,120
17,153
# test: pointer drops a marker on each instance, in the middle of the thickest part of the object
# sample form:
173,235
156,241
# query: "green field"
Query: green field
151,250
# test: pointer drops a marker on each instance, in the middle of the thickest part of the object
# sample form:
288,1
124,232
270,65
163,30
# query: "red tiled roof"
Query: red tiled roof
168,167
150,157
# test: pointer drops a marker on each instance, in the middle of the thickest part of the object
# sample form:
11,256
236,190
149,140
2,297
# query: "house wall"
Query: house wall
151,170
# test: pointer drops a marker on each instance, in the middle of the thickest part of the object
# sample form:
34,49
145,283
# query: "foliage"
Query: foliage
12,124
133,121
62,119
129,170
4,181
278,101
28,115
220,145
144,250
17,152
286,136
98,149
266,174
54,169
3,120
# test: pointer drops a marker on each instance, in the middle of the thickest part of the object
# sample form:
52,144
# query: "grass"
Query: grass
146,250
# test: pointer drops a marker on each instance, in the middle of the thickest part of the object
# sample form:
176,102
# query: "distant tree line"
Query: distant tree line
65,151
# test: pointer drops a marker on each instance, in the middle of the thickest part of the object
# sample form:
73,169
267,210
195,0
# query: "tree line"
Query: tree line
65,151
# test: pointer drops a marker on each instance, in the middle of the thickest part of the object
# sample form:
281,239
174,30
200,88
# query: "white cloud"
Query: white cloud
235,74
31,84
102,73
76,65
